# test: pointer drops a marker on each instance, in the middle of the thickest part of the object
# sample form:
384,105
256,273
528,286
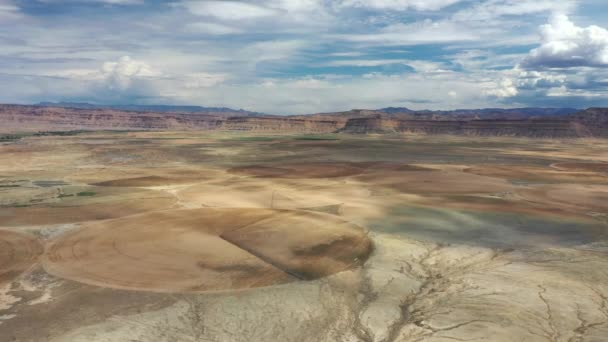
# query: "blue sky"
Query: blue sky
306,56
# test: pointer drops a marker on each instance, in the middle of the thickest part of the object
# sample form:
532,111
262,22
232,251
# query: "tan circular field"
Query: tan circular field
18,252
309,170
322,170
143,178
437,182
146,181
44,215
208,250
592,167
79,204
570,196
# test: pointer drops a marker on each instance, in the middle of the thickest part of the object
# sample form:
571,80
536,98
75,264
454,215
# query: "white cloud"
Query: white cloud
539,79
211,28
310,83
564,91
287,16
279,65
109,2
120,2
421,66
120,74
504,88
228,10
423,32
294,6
272,50
8,10
203,80
492,9
346,54
478,59
365,62
566,45
399,5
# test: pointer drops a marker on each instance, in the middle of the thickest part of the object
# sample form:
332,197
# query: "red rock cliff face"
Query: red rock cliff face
278,124
593,121
31,118
373,125
569,127
13,118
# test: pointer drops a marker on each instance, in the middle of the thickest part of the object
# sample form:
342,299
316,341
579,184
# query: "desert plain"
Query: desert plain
197,236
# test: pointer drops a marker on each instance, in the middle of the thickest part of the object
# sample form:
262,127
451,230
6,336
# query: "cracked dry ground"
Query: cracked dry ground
408,291
465,249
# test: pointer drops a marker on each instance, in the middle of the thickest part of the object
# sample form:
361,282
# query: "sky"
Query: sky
306,56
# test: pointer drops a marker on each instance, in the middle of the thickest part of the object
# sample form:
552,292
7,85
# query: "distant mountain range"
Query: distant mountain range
521,122
486,113
150,108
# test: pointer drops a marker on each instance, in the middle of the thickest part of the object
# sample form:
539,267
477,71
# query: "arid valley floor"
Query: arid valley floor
197,236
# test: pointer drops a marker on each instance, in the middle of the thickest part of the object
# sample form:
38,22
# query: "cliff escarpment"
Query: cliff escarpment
592,122
15,118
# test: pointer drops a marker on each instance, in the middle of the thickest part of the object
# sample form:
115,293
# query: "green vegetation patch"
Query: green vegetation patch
79,132
255,138
86,194
15,205
317,137
12,137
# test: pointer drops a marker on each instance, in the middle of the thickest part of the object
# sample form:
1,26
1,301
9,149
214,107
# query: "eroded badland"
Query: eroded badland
198,236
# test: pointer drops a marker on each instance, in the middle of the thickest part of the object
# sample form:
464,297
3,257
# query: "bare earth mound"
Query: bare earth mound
208,250
18,252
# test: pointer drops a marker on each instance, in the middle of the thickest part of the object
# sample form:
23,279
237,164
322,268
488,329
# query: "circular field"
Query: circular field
436,182
18,252
208,250
79,204
570,196
143,178
309,170
146,181
590,167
